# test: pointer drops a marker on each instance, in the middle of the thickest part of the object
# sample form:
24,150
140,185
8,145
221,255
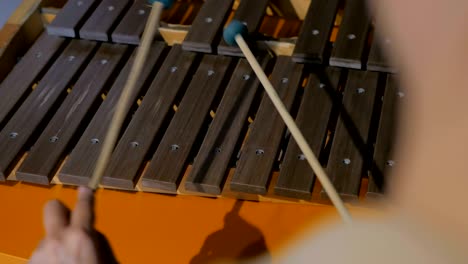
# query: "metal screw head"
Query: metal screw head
346,161
259,152
217,150
210,72
401,94
315,32
390,163
301,157
173,69
208,20
284,80
13,135
94,141
110,8
134,144
351,36
53,139
141,12
103,62
360,90
38,55
321,85
79,3
174,147
246,77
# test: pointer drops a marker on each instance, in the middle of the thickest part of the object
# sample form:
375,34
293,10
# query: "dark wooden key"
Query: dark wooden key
296,178
351,41
101,23
207,26
350,149
131,151
71,18
377,60
261,147
19,81
80,164
384,159
251,13
41,163
132,25
167,164
34,110
315,32
212,160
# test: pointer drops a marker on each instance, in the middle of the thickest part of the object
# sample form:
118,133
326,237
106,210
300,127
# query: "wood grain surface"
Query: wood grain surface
105,17
351,42
132,149
41,163
35,109
168,163
211,163
71,17
350,149
262,145
20,80
251,13
206,29
80,165
296,178
131,27
314,38
384,159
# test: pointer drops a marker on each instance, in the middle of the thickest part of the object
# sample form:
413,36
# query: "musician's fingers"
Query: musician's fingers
56,218
83,214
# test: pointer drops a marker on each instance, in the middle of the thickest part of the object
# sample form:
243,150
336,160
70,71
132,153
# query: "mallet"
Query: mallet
124,101
234,35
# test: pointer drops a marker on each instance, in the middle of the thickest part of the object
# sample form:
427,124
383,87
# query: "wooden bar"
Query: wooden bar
132,25
315,32
20,80
41,163
350,44
212,161
207,27
34,110
80,165
260,150
377,60
71,18
350,148
251,13
296,178
132,149
166,166
384,159
106,16
18,34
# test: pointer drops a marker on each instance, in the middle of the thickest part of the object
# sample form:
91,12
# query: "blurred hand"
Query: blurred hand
428,44
70,236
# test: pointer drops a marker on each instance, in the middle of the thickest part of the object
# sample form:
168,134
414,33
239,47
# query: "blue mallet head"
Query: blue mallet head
234,28
166,3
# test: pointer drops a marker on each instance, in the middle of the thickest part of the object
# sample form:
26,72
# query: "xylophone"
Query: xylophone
200,124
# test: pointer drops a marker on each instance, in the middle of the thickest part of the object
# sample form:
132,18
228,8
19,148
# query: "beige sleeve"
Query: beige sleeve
392,241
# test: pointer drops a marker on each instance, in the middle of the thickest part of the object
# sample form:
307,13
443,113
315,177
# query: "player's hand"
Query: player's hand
70,236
